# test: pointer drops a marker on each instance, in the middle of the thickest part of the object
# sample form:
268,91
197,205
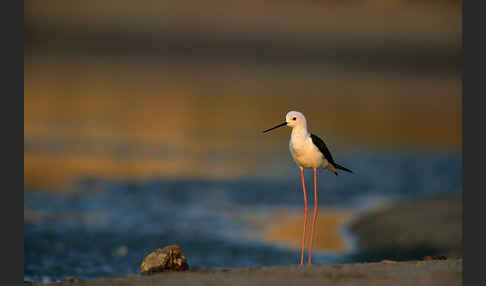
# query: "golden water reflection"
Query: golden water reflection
92,124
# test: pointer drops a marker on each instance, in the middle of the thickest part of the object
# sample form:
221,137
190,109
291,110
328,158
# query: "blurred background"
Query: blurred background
143,120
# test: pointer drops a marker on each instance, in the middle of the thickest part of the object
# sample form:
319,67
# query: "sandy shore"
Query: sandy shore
438,272
412,230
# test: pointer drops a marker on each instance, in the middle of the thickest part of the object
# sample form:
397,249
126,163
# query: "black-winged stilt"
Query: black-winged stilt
308,151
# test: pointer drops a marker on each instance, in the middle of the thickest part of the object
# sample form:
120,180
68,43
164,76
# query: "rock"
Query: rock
169,258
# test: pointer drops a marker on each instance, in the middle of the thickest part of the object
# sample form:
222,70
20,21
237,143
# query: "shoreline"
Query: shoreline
435,272
386,255
425,226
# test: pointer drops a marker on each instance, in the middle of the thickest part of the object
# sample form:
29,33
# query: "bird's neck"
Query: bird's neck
299,132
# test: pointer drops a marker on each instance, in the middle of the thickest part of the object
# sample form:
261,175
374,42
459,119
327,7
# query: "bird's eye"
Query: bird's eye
295,118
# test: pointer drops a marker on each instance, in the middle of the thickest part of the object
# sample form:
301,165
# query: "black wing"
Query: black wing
323,148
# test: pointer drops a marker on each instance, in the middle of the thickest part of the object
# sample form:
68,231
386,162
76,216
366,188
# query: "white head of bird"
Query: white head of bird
293,119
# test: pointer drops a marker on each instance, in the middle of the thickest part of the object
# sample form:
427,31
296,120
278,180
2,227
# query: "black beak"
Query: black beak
280,125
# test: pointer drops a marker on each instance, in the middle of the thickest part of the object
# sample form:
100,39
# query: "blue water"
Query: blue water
106,228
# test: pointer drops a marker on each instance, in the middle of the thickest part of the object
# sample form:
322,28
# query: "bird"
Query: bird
308,151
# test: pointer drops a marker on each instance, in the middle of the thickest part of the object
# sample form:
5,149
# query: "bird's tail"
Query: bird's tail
342,168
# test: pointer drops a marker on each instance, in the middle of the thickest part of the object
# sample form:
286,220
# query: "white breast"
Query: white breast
305,153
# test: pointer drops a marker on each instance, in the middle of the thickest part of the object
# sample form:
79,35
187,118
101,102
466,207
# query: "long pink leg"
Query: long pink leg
314,219
305,217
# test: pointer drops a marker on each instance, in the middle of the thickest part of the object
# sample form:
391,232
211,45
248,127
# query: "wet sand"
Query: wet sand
431,273
412,230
